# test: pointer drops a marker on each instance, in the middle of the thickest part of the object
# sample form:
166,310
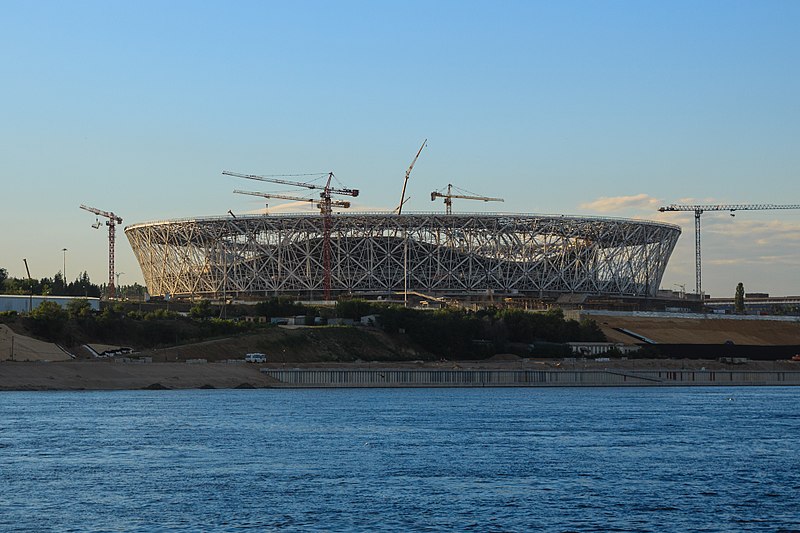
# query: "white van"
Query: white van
256,357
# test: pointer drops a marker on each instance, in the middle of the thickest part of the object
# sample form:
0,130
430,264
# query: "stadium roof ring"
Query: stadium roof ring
437,254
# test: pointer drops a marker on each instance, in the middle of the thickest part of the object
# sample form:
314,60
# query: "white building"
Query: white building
25,304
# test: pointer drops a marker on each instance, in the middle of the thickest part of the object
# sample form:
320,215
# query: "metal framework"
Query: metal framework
699,210
112,222
463,254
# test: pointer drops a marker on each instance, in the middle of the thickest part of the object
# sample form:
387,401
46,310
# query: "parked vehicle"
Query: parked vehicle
256,357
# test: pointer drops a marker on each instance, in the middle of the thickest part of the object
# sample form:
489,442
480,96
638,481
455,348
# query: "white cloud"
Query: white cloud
610,204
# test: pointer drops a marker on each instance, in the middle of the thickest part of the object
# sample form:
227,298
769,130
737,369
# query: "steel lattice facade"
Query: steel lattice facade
464,254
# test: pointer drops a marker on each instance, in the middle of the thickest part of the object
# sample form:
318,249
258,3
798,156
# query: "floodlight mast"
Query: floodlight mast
700,209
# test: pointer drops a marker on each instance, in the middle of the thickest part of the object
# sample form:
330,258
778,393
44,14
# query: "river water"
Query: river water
572,459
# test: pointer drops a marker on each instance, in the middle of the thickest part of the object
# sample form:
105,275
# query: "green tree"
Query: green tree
79,308
83,287
3,278
353,308
280,306
201,309
48,320
738,300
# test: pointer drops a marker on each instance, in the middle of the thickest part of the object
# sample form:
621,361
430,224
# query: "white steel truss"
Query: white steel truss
382,253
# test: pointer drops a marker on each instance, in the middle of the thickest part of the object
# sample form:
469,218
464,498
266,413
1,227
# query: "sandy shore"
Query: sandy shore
108,375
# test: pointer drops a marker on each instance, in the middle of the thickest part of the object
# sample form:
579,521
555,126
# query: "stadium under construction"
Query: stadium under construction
460,256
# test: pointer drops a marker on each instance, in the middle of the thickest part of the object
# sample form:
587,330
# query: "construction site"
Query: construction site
448,258
451,258
608,270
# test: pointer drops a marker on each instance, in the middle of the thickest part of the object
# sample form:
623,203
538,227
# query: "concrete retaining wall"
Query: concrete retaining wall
522,378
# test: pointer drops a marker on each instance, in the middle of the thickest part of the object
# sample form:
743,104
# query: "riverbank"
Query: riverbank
498,371
108,375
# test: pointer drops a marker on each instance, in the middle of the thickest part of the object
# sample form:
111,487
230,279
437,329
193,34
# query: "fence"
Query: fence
523,378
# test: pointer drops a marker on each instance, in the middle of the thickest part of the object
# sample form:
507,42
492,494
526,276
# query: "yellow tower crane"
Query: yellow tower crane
448,198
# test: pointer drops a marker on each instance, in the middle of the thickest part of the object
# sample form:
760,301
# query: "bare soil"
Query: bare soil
701,331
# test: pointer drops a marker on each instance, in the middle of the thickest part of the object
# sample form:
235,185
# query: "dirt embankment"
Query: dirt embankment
700,330
299,345
349,347
110,375
16,347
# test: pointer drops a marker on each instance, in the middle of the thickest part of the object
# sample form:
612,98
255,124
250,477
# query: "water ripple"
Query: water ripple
401,460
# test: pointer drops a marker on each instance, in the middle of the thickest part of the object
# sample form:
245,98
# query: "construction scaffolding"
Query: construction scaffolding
436,254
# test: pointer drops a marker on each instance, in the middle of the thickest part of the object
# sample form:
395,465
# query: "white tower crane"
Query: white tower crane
700,209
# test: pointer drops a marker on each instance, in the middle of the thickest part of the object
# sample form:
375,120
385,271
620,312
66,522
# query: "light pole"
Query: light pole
64,271
118,274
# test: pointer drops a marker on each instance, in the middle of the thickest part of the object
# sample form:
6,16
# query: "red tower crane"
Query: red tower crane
112,221
325,205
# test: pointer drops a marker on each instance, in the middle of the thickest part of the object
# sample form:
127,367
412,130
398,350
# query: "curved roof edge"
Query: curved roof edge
407,215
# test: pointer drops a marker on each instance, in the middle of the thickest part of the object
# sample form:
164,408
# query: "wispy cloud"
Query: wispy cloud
611,204
761,231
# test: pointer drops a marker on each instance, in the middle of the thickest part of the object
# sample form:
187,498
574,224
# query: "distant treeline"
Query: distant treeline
448,333
79,324
463,333
58,286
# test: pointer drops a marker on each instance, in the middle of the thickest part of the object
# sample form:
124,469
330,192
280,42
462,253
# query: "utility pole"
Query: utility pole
118,274
64,271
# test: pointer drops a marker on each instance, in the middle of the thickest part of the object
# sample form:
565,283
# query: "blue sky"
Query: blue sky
608,108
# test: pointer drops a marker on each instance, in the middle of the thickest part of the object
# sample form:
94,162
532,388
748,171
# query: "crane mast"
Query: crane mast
112,221
325,206
700,209
448,198
399,208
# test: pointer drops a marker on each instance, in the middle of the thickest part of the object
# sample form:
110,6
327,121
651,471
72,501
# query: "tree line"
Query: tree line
58,286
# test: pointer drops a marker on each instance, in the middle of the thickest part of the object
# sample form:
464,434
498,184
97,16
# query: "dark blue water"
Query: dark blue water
605,459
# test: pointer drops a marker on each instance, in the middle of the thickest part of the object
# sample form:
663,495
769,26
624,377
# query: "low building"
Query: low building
25,304
597,348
